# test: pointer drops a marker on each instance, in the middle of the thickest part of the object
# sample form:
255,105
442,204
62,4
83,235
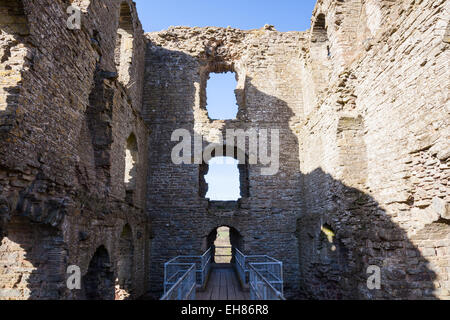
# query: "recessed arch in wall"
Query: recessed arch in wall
319,37
125,264
321,54
123,54
98,282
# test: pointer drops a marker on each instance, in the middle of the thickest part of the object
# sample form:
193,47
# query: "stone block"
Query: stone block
441,207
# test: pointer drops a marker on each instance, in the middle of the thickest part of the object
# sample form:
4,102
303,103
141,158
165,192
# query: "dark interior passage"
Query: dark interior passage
98,283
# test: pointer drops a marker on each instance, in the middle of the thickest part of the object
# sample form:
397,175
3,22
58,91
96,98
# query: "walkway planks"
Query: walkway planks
223,285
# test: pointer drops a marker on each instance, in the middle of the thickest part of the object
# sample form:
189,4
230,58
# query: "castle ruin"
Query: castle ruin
361,103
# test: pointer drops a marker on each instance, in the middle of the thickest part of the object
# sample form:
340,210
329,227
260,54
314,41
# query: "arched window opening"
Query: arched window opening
221,96
98,283
223,179
131,159
123,54
125,263
320,46
327,238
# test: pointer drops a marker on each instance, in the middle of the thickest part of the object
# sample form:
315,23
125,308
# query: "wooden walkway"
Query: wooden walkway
223,284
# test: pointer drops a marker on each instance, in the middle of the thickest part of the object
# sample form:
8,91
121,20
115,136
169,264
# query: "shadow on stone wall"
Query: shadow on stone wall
33,257
167,106
344,232
34,245
181,219
326,233
327,243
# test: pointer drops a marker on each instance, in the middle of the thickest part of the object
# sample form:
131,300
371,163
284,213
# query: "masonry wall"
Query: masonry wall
374,155
363,176
269,93
65,119
361,104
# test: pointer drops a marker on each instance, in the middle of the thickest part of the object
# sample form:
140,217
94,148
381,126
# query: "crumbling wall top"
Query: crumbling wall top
229,43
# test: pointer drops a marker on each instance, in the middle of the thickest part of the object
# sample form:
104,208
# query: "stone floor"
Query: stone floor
223,284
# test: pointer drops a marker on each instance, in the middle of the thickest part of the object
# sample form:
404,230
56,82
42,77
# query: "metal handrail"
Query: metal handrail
183,292
255,292
261,273
245,264
202,267
175,274
240,266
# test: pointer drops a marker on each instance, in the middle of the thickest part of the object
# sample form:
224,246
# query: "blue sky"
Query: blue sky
220,96
223,179
285,15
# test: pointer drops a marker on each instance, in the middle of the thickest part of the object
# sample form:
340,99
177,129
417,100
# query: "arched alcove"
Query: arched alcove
123,54
319,37
320,54
98,282
125,265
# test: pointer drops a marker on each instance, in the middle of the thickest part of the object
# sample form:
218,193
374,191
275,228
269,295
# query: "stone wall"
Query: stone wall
374,155
363,176
86,175
269,95
65,118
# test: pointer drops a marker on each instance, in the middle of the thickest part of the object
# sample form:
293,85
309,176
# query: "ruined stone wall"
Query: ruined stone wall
269,94
361,103
363,176
374,155
65,118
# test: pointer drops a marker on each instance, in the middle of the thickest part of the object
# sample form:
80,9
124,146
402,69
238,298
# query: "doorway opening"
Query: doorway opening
223,252
224,240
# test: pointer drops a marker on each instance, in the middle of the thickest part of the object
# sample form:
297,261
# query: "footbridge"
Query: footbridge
247,277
